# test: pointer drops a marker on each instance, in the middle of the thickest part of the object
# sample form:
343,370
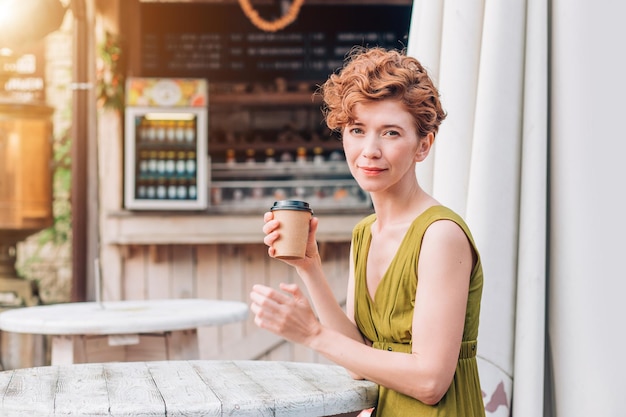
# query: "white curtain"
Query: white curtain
530,155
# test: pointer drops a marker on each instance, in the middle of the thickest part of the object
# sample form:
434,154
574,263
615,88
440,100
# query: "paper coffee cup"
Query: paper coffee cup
294,217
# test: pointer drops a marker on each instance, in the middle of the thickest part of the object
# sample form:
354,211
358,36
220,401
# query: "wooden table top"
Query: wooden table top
189,388
122,317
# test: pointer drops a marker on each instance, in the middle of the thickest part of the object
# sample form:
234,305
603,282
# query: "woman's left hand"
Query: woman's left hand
286,313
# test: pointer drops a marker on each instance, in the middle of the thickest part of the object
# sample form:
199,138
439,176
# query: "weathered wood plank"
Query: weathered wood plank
87,394
253,273
132,391
207,286
231,279
158,277
134,284
235,389
286,388
183,272
279,272
335,397
254,346
34,386
95,349
151,347
184,391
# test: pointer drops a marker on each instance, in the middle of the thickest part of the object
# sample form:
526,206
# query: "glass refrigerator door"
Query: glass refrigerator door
166,159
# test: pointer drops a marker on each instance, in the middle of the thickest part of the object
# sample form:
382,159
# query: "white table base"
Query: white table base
174,345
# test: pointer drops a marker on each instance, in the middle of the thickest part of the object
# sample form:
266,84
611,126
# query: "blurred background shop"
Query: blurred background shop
171,128
141,141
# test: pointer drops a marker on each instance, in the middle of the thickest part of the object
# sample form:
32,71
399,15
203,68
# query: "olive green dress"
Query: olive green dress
387,322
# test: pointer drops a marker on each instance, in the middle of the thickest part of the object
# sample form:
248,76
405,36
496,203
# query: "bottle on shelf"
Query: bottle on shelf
336,156
142,131
286,157
161,189
216,196
270,159
250,156
170,131
142,189
160,167
144,168
301,155
181,189
150,130
153,163
172,189
151,189
192,191
190,164
318,155
181,164
190,132
180,131
170,164
230,157
160,131
238,194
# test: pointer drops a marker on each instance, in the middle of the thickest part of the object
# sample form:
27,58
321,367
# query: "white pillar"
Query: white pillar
460,48
588,207
530,308
425,45
493,193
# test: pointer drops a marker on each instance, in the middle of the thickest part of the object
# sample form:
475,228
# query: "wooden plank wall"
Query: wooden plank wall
222,271
226,271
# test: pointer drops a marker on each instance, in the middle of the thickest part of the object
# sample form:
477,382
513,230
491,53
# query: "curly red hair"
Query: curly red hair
378,74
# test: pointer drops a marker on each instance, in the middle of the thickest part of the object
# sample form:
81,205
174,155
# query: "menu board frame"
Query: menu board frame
215,40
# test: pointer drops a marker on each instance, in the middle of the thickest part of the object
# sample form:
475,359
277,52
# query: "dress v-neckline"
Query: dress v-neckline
372,300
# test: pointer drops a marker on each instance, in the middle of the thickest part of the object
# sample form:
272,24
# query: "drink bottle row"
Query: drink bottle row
270,156
166,189
166,131
167,164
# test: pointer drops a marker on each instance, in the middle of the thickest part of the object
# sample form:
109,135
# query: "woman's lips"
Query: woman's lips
371,170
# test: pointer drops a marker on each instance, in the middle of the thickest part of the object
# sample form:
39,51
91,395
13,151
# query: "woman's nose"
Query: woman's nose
371,148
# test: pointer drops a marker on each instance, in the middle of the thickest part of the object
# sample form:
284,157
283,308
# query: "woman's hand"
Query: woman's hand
286,313
272,233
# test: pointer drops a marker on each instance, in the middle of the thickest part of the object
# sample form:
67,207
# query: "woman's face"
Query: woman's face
382,146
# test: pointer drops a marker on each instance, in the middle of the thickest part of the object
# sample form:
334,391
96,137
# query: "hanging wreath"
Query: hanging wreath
276,25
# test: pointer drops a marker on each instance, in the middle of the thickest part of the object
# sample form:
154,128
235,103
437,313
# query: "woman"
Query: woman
415,280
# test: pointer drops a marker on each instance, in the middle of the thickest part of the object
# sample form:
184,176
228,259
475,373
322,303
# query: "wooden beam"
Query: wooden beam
79,151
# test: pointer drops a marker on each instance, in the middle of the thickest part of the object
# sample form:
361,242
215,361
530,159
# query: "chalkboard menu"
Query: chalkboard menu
217,41
22,74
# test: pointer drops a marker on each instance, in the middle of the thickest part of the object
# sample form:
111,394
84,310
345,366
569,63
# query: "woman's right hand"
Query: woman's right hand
272,233
270,228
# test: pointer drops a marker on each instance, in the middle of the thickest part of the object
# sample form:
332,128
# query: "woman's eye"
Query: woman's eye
356,131
392,133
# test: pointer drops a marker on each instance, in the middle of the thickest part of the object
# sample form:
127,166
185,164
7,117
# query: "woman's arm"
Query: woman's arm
312,274
444,268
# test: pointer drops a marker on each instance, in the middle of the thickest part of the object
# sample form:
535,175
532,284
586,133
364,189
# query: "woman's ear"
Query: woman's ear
424,146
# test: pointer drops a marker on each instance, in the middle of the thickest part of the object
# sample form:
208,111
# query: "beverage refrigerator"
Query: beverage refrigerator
165,149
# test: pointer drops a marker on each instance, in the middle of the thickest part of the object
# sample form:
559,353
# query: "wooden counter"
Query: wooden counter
164,228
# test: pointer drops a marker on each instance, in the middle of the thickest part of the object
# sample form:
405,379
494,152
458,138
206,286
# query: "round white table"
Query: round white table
184,388
122,323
